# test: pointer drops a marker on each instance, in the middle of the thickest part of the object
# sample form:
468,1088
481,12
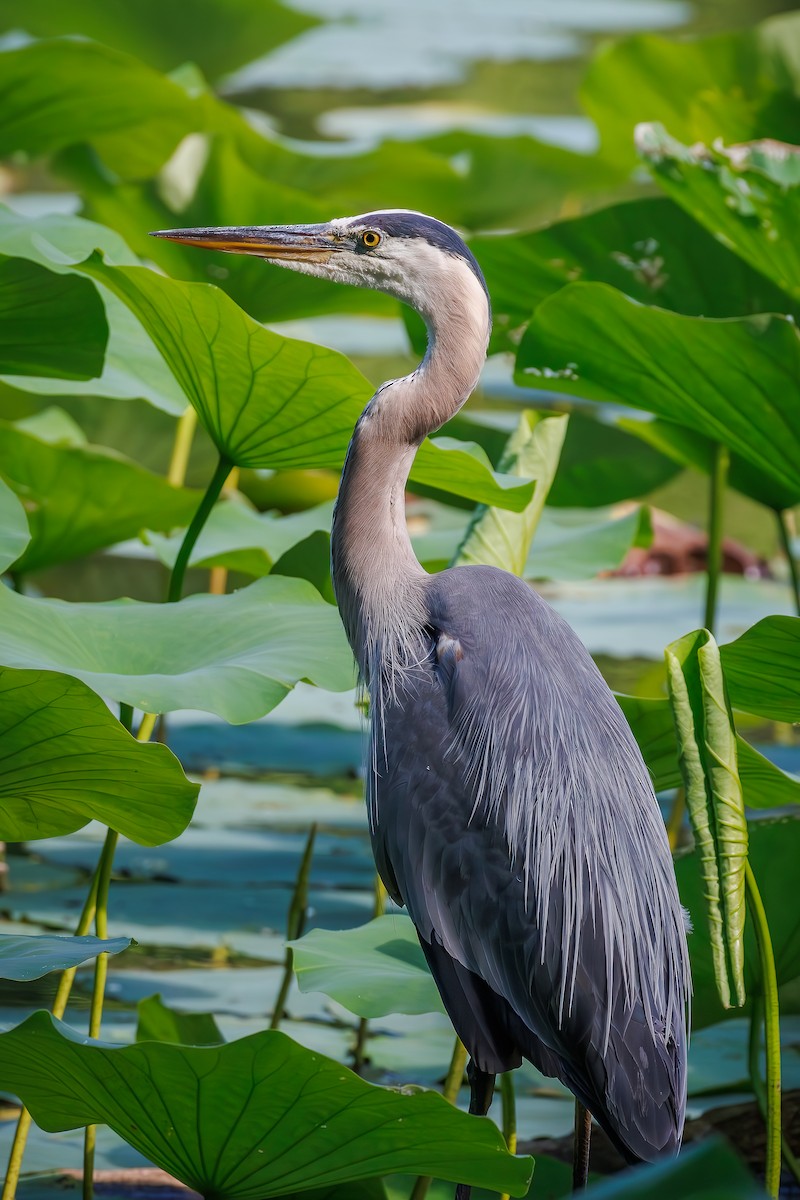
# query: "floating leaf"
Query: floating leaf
503,539
158,1023
740,194
284,403
49,324
23,958
735,381
67,760
236,656
81,498
373,970
14,532
714,800
258,1117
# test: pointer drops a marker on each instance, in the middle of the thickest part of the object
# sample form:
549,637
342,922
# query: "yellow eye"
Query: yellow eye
371,239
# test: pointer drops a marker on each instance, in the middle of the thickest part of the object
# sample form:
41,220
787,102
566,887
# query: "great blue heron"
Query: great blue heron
510,809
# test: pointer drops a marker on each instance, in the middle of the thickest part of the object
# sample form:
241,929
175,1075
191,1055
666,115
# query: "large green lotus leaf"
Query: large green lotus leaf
221,35
237,537
650,249
709,1171
742,195
44,1185
62,91
67,761
23,957
736,381
271,401
132,366
81,498
51,325
373,970
236,656
14,531
732,86
762,669
690,449
259,1117
774,847
503,539
602,464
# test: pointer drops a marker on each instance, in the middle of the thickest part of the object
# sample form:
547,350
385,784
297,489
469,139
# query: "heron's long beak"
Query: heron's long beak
283,242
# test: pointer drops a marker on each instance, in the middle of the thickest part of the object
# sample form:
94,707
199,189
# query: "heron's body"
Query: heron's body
510,809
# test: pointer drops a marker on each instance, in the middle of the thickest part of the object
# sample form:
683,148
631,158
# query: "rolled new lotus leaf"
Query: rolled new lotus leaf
708,760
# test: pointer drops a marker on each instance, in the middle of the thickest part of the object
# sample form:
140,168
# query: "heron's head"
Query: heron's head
411,256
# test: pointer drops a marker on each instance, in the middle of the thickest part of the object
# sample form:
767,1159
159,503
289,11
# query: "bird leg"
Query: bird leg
481,1090
580,1150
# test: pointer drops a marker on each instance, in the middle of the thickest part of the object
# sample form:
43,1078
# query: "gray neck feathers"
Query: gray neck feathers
379,584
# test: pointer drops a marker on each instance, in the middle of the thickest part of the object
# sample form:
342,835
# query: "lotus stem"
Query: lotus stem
452,1086
719,479
199,519
509,1101
294,925
754,1048
784,533
362,1032
772,1034
181,447
99,989
59,1008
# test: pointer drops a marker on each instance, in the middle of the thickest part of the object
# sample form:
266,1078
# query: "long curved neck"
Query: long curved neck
378,581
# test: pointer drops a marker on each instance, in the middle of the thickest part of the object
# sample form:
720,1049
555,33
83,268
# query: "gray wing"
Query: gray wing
513,815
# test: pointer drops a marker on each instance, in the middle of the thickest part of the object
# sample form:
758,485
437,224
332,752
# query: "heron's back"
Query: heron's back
513,815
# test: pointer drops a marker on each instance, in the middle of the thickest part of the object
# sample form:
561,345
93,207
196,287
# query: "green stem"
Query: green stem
509,1116
719,479
221,473
294,925
452,1086
362,1031
99,990
786,546
772,1033
59,1008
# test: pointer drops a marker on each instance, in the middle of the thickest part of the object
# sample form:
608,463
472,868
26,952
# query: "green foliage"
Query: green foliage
81,498
67,760
707,755
710,1171
236,655
29,957
159,1023
745,195
49,325
734,381
251,1118
761,669
374,970
14,532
